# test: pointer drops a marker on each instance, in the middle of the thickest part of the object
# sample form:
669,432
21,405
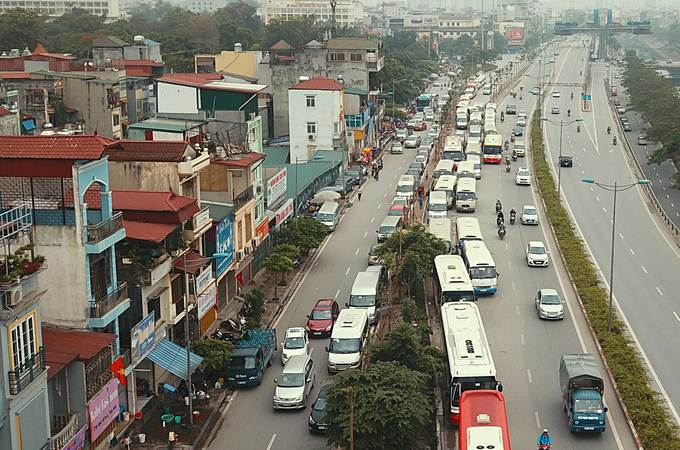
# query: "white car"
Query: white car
522,114
556,94
433,133
537,254
397,148
521,122
295,343
528,215
523,176
412,141
400,201
549,305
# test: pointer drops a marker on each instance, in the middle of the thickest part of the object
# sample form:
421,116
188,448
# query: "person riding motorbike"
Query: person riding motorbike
500,218
578,128
614,140
502,117
520,96
580,72
501,230
569,113
544,441
513,213
507,159
609,130
499,205
507,143
514,154
572,95
512,138
521,87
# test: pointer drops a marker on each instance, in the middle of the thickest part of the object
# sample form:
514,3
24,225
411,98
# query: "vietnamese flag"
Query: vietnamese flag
119,370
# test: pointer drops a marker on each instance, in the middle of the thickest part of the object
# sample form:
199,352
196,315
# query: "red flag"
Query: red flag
119,370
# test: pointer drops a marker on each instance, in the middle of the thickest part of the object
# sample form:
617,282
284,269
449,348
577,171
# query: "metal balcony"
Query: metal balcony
64,436
244,197
99,308
102,230
24,375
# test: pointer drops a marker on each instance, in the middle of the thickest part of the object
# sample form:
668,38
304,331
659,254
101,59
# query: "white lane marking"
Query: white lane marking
521,336
221,418
529,375
517,309
372,219
621,235
631,250
399,167
385,195
659,290
379,206
347,271
365,234
676,316
337,294
597,198
643,268
357,252
512,283
509,265
271,442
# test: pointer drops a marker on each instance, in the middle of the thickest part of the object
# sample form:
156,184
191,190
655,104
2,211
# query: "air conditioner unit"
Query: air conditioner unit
256,241
259,188
249,248
312,137
13,296
240,255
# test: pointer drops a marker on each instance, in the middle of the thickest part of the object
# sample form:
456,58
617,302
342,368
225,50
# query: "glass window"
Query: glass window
311,127
311,101
23,341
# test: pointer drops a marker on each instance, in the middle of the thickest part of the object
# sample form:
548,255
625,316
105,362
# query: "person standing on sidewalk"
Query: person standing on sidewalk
172,439
359,194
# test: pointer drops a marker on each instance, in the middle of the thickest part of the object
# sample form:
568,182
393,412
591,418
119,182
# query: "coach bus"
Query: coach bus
493,148
492,431
452,281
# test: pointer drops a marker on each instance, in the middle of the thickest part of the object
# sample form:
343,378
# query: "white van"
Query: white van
476,118
441,228
329,214
347,340
437,205
467,229
406,186
447,183
466,194
444,167
474,148
519,148
388,225
364,294
481,267
476,161
466,169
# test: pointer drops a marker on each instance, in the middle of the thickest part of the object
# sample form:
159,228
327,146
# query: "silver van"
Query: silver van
364,294
295,384
519,148
329,214
388,225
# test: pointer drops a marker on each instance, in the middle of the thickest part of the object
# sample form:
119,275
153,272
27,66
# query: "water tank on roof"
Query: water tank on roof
238,47
302,78
26,52
14,52
139,39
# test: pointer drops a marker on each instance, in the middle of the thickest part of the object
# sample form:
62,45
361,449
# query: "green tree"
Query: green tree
21,28
402,344
230,33
60,116
256,300
303,232
278,263
215,353
77,21
409,309
242,14
390,408
297,32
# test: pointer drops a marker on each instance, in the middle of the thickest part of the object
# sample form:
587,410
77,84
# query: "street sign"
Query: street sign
586,97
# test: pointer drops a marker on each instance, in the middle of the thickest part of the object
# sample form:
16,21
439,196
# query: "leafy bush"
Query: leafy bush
652,423
215,353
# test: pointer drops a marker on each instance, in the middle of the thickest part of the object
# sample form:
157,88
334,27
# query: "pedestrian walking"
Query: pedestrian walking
127,442
420,201
172,439
359,194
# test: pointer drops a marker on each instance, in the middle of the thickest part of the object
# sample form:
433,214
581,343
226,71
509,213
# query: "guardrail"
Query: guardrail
27,372
98,232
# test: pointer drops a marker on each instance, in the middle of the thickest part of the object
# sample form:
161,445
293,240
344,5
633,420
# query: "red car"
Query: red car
399,211
420,127
320,322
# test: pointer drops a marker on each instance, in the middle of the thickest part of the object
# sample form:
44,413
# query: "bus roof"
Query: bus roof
452,273
441,228
483,420
467,349
466,185
493,139
445,182
445,164
468,228
477,255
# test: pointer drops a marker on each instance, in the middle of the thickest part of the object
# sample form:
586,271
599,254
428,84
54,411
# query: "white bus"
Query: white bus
441,228
471,366
444,167
467,229
481,266
466,194
452,280
447,183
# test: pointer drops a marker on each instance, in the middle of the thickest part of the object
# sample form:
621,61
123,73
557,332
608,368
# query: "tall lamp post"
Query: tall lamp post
392,94
561,124
613,188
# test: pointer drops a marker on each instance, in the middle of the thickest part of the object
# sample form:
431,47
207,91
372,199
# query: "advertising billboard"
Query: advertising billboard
421,21
103,409
276,187
224,243
143,337
516,34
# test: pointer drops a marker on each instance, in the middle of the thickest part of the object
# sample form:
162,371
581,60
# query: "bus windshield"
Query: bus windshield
465,196
458,296
469,384
482,272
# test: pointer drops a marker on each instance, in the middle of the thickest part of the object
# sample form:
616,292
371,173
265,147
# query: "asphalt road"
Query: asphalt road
646,261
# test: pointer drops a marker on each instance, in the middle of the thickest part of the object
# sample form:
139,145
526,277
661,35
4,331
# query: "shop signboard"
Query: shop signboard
103,409
225,244
203,279
283,212
262,230
515,34
143,337
207,300
77,442
276,187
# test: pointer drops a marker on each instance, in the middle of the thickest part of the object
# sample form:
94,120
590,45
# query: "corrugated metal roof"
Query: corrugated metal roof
146,231
319,84
154,151
161,124
276,156
65,346
355,91
173,358
219,211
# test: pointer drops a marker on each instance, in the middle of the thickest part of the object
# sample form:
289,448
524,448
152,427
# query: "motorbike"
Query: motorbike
578,128
512,217
380,164
502,118
501,231
506,145
580,72
520,96
609,130
544,447
572,95
237,324
512,138
220,336
521,88
499,206
614,140
569,113
507,167
514,156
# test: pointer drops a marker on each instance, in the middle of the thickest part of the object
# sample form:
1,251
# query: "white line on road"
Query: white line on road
521,336
517,309
379,206
357,252
271,442
512,284
337,294
676,316
509,265
621,235
631,250
597,198
538,421
365,234
385,195
529,375
643,268
400,168
659,290
221,418
372,219
391,183
347,271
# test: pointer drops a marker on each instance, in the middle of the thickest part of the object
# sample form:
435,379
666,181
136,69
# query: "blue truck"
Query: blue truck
582,393
250,357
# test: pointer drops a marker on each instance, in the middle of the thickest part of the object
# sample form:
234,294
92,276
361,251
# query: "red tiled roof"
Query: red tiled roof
64,346
87,147
4,111
15,75
194,262
319,84
146,231
149,151
39,49
153,201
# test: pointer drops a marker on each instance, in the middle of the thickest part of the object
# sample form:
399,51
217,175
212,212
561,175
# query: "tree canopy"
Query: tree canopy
402,344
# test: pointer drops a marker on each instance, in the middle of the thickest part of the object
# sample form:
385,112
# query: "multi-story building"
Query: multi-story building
24,417
316,118
453,27
347,14
350,61
54,9
107,49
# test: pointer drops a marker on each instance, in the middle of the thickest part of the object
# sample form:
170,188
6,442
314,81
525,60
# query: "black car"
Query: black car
511,109
316,422
566,161
517,131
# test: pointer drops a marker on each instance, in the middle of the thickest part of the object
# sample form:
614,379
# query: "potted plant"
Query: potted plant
29,267
40,259
6,281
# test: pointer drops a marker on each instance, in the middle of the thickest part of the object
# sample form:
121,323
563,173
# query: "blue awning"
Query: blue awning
173,358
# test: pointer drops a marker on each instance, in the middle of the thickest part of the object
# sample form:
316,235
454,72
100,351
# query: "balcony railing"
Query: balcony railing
102,230
244,197
26,372
100,308
63,437
126,355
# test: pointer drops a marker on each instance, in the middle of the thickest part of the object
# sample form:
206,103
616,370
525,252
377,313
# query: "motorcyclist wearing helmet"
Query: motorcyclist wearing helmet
544,440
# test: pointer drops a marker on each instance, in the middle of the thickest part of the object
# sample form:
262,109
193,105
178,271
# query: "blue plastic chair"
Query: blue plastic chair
170,388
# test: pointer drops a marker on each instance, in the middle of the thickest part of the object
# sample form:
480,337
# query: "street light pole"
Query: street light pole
615,188
559,166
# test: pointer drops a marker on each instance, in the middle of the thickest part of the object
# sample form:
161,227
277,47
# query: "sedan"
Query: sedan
397,148
555,109
621,110
556,94
521,122
422,126
412,142
549,305
295,343
320,322
511,109
373,258
399,211
517,131
433,133
427,142
400,201
537,255
627,127
316,417
528,215
641,140
566,161
522,114
523,176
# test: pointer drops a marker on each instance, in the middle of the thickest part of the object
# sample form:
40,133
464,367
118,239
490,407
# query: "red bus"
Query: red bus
493,148
483,422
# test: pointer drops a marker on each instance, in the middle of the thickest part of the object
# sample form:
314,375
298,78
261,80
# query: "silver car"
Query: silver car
295,384
549,305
